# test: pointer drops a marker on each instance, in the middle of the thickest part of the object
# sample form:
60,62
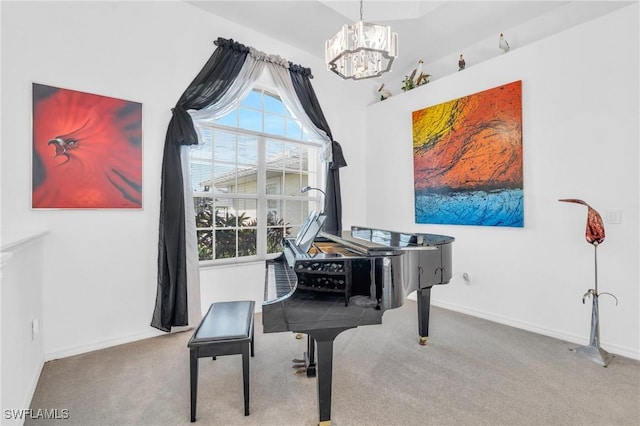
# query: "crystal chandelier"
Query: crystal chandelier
361,50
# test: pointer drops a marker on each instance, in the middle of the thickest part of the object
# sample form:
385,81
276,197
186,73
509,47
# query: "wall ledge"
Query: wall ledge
11,240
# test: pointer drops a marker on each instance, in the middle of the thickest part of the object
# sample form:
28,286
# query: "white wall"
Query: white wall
580,140
100,265
21,312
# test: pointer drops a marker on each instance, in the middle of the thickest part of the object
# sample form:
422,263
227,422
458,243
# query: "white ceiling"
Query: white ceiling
428,30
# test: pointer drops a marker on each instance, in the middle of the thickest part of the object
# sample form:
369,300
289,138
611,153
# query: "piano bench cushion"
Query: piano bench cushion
225,321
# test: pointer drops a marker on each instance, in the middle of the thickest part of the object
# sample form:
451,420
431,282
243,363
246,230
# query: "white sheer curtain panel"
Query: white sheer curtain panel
279,69
251,71
191,242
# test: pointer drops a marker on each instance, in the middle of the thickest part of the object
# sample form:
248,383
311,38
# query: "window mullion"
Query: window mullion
213,200
262,200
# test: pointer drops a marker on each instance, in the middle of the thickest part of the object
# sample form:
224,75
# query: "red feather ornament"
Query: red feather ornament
595,227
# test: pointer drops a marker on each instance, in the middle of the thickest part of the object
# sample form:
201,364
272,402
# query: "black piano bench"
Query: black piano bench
226,329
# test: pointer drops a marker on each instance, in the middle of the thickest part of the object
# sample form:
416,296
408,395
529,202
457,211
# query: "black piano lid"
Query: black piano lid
399,239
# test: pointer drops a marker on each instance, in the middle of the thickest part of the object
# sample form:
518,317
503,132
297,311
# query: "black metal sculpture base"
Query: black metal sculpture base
593,351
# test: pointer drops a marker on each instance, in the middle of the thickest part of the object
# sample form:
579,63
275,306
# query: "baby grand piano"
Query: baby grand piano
323,284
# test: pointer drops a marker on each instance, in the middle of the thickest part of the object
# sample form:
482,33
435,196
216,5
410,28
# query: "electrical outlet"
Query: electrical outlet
613,216
35,328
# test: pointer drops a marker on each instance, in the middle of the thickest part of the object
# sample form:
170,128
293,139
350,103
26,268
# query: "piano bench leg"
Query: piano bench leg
252,351
245,374
194,381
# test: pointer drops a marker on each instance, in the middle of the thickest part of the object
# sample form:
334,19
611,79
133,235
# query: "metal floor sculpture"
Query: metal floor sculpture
594,235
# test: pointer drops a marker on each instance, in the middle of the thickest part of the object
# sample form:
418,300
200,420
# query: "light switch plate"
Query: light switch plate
613,216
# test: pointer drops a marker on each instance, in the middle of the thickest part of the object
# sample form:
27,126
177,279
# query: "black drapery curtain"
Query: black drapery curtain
301,78
333,203
213,81
210,84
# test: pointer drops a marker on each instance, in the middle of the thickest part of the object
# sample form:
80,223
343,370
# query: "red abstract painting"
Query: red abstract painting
87,150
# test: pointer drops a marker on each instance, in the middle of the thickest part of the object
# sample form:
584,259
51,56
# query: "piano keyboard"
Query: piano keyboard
280,280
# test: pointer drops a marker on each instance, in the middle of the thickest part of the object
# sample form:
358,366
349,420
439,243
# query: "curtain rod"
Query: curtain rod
234,45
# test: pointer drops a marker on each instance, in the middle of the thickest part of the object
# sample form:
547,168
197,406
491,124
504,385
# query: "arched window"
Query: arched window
246,176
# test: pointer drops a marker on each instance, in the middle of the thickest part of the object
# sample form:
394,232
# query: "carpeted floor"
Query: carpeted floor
472,372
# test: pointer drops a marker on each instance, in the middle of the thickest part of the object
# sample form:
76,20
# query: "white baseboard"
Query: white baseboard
569,337
28,396
100,344
557,334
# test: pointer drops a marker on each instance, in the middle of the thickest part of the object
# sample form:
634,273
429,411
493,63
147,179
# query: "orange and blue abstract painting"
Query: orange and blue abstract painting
467,160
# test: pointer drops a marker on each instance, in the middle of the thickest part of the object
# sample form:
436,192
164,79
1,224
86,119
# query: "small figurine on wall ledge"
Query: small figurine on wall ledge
461,63
502,44
384,93
595,236
416,78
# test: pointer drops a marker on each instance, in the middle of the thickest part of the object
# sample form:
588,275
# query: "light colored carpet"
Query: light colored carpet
472,372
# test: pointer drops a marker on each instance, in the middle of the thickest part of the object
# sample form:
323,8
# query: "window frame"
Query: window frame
262,197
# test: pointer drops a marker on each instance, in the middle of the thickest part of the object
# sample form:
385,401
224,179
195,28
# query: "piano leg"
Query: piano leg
424,305
324,342
310,357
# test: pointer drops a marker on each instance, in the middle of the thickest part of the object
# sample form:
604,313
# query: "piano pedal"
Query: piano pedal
300,371
298,361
